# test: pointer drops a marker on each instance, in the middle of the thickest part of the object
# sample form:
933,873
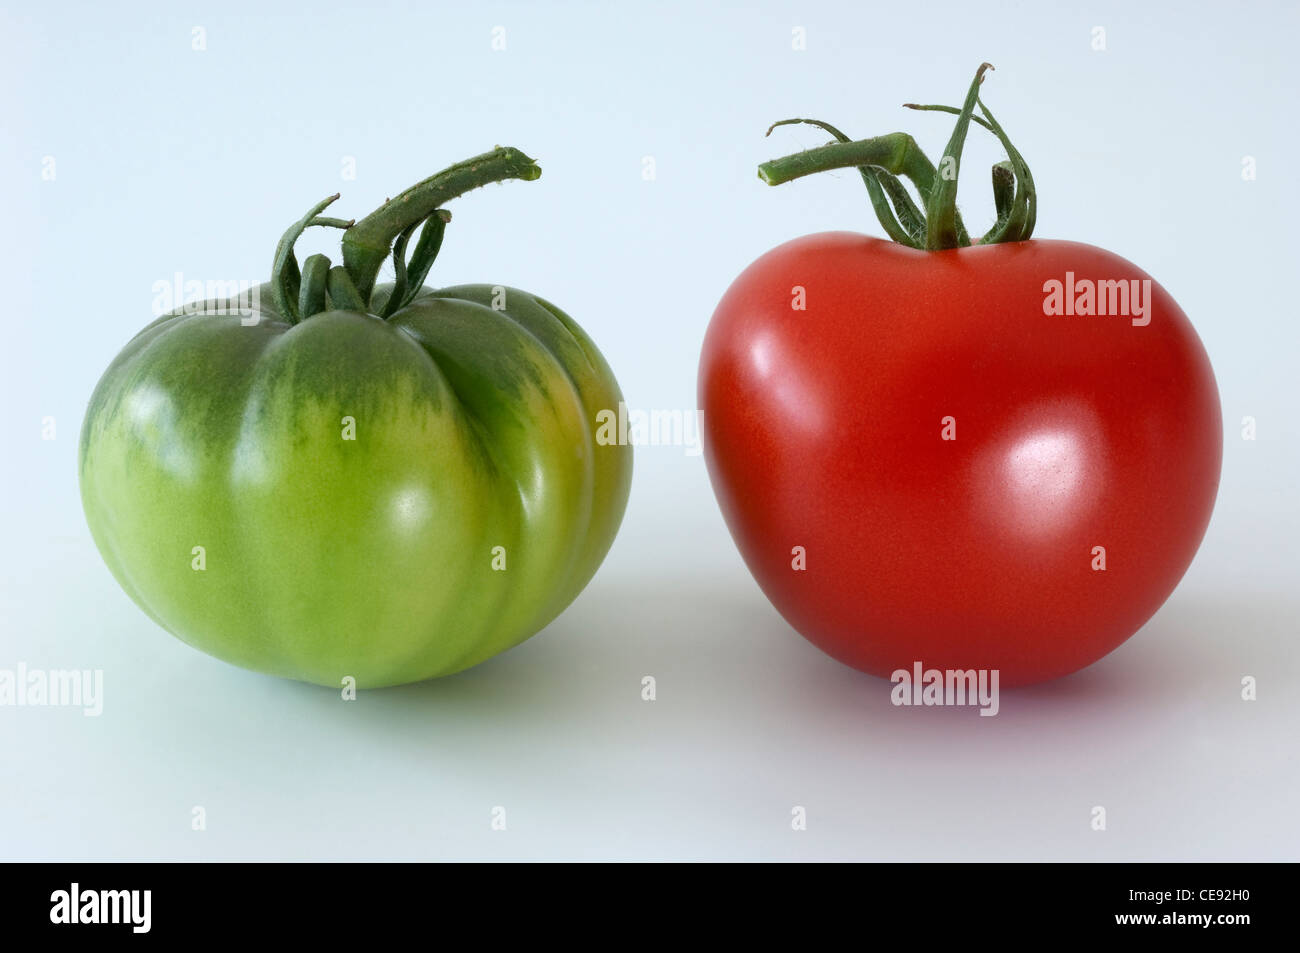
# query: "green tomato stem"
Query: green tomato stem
312,291
301,293
285,276
367,243
342,293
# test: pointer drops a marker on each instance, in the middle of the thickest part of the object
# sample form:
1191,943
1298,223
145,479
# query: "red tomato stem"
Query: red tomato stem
882,159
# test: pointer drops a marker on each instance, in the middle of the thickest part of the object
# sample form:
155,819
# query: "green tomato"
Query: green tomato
341,494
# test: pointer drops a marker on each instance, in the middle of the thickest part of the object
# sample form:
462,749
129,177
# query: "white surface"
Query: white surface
170,159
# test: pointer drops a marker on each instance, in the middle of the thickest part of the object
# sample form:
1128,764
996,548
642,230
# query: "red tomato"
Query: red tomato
973,483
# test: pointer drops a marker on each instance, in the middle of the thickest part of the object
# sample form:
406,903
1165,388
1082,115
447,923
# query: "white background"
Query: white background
173,159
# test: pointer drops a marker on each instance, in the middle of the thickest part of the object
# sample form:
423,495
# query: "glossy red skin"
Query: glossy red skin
823,430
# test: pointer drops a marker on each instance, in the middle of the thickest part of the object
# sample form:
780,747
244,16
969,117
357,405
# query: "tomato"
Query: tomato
922,465
389,491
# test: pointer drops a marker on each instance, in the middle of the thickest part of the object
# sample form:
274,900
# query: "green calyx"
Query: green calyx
936,223
319,285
